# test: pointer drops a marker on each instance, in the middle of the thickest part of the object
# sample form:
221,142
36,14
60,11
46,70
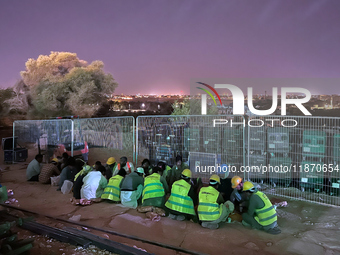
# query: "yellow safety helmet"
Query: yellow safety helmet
248,186
215,178
235,181
55,160
186,173
110,161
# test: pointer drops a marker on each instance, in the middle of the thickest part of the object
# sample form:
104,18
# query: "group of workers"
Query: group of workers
146,186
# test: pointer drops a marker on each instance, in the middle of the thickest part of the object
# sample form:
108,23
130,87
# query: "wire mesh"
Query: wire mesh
204,142
49,137
92,139
299,158
290,156
107,137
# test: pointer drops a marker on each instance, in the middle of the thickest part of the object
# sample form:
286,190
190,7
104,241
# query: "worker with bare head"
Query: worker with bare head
124,164
34,168
176,171
146,166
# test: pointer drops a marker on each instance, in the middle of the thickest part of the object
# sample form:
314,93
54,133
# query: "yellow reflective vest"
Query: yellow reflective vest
208,209
153,187
179,200
267,214
112,190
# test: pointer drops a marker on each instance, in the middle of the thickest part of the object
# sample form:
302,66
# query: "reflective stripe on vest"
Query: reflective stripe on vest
179,200
208,209
128,165
153,187
112,190
267,214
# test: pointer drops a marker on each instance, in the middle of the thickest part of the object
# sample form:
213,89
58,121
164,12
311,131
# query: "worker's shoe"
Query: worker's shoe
274,231
180,217
172,216
244,223
210,225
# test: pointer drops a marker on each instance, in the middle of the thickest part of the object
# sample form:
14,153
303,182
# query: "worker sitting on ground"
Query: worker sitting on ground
78,180
127,166
132,188
155,189
94,185
237,197
225,188
175,173
34,168
146,165
261,214
64,160
49,171
112,190
211,208
182,201
69,172
164,167
110,167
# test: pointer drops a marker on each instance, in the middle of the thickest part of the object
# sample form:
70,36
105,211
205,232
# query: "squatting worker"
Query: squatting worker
175,173
212,210
238,198
261,214
125,164
155,189
182,201
110,167
113,188
132,188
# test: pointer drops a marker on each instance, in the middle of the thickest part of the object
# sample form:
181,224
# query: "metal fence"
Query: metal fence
202,145
291,156
92,139
44,136
107,137
297,157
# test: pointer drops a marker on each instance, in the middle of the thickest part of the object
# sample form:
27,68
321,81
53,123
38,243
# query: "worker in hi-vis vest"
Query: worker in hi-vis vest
112,190
261,214
182,201
127,166
155,189
212,210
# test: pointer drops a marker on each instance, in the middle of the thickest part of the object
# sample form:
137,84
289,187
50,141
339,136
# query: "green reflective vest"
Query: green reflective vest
208,209
267,214
153,187
179,200
112,190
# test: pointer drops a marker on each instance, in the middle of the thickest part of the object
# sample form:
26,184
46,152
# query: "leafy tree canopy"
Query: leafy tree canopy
62,84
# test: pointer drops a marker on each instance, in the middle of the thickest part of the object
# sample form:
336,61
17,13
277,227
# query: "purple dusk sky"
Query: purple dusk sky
156,46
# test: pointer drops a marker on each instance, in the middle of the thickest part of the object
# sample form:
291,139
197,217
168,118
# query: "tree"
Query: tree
54,66
5,95
20,101
192,107
61,84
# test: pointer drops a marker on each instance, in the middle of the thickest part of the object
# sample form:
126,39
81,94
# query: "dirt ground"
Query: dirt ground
307,228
